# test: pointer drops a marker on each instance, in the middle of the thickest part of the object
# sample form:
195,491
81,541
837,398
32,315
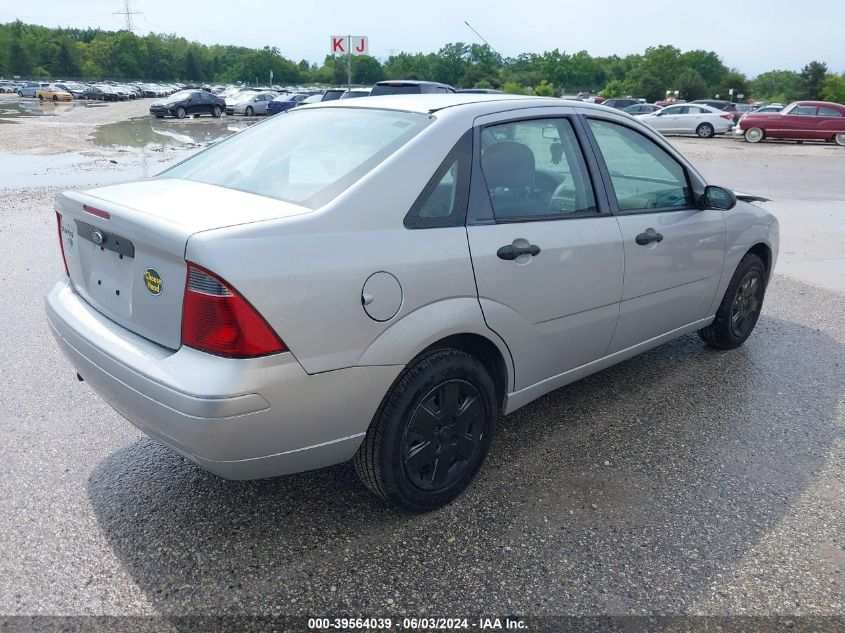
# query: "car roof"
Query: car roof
428,103
821,104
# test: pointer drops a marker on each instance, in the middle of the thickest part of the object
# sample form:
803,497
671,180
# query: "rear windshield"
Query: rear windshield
395,89
307,157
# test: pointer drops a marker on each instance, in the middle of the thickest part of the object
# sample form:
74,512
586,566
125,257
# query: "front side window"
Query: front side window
534,170
643,174
307,157
804,110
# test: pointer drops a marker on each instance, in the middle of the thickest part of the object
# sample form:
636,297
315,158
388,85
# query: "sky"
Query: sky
751,36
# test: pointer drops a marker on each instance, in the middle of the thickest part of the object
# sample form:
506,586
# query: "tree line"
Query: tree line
32,51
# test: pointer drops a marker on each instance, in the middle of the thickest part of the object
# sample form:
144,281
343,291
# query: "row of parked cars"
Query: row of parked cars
801,120
253,101
103,91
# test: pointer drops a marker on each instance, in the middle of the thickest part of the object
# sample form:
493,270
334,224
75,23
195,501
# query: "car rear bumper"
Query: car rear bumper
238,418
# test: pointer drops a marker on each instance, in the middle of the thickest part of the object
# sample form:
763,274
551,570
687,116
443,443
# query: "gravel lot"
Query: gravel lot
684,481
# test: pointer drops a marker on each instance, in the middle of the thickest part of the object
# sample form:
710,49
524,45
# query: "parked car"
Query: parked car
802,120
337,300
73,88
53,93
668,102
355,93
641,108
188,102
29,88
480,91
333,93
698,119
768,109
724,106
409,87
285,102
620,104
252,103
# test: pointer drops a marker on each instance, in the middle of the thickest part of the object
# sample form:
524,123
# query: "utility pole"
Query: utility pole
127,13
348,62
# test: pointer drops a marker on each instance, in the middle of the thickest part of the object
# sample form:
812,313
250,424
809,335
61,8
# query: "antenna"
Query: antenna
482,39
128,13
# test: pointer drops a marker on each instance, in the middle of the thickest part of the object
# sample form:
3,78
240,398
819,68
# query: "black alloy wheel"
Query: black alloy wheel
431,432
740,307
746,304
444,435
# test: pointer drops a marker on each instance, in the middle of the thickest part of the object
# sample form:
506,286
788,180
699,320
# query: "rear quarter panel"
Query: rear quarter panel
306,274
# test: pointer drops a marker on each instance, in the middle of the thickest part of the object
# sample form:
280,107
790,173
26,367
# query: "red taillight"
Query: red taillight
216,319
61,243
727,116
100,214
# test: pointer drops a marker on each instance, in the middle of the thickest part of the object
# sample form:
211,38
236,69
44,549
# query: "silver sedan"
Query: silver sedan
380,279
694,118
253,104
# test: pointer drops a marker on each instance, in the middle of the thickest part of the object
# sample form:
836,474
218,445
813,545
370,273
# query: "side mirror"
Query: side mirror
718,198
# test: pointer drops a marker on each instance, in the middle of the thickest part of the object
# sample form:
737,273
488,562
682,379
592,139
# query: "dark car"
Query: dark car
181,104
620,104
726,106
641,108
409,87
333,93
283,103
100,93
480,91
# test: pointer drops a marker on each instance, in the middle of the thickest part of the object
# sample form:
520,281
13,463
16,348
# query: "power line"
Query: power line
128,13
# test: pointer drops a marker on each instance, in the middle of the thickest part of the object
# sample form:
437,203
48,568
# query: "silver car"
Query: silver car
379,279
690,118
252,104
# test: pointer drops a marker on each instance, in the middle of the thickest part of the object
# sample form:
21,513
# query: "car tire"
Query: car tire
20,93
41,97
754,135
249,111
705,130
839,139
441,410
216,112
55,99
180,112
741,306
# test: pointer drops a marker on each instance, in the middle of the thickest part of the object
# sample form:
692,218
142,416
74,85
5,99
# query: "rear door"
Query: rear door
673,250
547,254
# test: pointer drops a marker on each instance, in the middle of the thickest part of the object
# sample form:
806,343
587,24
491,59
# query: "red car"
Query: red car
802,120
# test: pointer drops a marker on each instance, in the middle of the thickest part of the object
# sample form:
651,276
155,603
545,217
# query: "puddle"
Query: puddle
18,171
11,110
151,133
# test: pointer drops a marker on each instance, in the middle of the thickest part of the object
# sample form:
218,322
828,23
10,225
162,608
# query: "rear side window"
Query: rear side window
443,201
829,112
534,170
643,174
307,157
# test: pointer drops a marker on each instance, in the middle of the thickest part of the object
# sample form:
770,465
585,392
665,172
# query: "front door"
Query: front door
548,260
673,250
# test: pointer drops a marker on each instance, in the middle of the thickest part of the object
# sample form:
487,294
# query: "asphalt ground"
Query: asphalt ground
683,481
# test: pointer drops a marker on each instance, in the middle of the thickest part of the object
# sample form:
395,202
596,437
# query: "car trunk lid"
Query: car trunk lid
125,245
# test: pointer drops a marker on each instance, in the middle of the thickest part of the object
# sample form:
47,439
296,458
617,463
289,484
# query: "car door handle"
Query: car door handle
510,252
648,237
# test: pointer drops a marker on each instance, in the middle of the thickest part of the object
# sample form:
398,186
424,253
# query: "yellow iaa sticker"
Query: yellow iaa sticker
153,281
